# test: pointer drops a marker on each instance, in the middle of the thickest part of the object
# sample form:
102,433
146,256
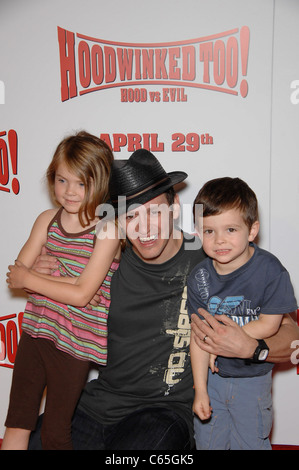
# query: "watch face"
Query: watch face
263,355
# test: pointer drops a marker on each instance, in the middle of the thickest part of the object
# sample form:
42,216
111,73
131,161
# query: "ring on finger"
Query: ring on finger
204,340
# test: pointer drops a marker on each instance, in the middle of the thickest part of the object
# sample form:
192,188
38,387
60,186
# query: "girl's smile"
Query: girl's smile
69,189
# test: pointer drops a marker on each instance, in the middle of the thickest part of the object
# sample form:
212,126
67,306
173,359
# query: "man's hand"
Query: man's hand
222,336
94,301
45,264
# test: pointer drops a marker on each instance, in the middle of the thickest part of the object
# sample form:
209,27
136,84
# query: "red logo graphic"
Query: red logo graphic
10,332
217,62
9,154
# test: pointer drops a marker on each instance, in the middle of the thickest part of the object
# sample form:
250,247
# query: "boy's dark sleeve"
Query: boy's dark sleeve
194,301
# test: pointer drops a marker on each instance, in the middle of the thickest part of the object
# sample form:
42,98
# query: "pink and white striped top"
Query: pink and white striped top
81,332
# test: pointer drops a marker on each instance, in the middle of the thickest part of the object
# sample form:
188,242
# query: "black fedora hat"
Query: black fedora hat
140,179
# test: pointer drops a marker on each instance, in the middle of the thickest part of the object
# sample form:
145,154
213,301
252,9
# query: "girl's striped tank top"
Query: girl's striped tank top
81,332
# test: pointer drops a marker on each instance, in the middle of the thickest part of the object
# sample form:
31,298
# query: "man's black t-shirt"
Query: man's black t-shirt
148,339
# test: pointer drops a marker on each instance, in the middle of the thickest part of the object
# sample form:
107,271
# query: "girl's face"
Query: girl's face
69,189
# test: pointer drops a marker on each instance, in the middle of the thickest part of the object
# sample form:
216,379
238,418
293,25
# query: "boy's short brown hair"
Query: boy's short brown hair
227,193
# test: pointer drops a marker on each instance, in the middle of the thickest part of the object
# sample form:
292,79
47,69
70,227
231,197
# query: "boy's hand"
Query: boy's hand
212,365
201,405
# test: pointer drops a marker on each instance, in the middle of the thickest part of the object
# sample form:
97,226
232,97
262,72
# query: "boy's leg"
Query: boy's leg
214,434
251,410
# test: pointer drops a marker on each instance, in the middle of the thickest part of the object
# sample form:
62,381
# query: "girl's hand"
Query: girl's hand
16,275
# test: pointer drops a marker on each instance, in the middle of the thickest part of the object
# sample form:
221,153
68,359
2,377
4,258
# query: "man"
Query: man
143,398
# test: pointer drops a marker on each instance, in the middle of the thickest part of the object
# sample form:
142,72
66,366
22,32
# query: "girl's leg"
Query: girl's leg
15,439
66,377
28,384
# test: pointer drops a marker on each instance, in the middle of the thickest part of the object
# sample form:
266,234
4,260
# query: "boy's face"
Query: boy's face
226,238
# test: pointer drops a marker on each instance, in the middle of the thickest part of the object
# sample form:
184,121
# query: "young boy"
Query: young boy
240,280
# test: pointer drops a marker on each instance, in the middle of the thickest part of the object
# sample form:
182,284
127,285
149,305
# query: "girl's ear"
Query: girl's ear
254,231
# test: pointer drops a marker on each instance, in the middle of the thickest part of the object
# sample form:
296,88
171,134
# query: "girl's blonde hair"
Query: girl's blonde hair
90,159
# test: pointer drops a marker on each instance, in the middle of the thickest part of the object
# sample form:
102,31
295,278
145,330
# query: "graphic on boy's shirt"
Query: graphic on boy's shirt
216,305
236,307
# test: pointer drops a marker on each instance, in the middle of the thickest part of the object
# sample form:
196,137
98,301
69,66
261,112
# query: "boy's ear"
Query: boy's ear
254,231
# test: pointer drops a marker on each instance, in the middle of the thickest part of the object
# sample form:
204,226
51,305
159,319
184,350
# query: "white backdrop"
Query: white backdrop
65,66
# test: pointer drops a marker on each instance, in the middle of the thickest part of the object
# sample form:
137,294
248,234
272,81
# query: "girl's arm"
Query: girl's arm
48,277
264,327
37,238
85,286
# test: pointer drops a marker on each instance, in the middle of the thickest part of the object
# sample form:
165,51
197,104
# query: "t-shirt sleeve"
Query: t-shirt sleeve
279,295
194,299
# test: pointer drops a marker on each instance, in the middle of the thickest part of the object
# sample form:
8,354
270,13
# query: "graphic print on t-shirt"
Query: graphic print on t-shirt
236,307
181,334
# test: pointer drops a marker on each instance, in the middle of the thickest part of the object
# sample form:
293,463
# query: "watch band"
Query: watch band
261,350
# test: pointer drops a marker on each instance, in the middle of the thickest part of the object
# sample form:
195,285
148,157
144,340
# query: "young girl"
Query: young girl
59,338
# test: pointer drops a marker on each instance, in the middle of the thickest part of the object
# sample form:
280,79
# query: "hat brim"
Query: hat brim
110,210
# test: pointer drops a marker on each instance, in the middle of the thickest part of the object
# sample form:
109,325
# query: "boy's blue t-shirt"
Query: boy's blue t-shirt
262,285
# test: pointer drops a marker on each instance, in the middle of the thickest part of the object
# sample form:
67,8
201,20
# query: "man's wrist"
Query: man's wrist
261,353
251,348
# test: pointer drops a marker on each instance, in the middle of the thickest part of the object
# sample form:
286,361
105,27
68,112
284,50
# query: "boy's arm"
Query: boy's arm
200,366
264,327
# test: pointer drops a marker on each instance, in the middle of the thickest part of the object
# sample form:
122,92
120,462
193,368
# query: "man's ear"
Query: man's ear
254,231
176,206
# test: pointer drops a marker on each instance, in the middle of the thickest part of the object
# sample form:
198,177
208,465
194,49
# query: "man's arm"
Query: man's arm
280,349
226,338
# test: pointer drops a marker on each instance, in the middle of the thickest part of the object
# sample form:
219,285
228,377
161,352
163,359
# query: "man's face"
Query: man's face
150,229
